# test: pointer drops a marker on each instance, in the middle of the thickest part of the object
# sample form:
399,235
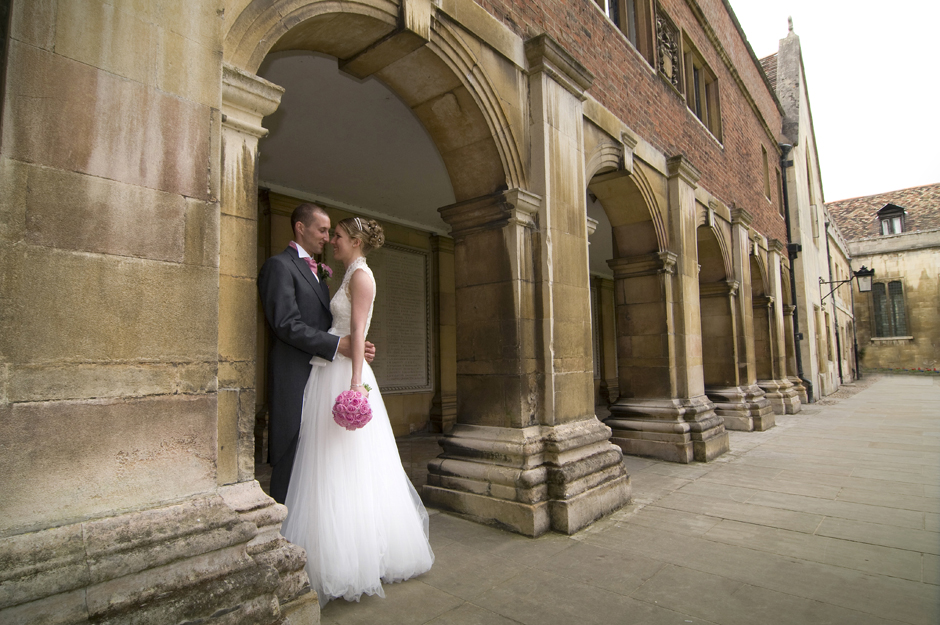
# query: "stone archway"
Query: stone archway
742,408
526,451
662,410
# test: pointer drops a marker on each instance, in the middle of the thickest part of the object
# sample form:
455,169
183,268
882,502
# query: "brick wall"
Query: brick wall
626,84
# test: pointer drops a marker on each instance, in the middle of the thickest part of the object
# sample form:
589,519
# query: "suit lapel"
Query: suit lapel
304,270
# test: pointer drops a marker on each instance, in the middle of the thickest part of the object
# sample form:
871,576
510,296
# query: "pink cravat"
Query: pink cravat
310,262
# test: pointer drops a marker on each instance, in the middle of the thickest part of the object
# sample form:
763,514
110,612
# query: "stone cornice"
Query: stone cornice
544,54
777,246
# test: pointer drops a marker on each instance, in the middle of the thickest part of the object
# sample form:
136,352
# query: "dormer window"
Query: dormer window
892,219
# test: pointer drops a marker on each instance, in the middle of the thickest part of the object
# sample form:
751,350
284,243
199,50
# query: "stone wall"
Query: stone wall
914,260
627,85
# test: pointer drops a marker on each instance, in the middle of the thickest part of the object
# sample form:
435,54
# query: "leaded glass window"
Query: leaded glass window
888,301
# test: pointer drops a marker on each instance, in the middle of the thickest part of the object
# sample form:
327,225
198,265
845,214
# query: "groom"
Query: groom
296,304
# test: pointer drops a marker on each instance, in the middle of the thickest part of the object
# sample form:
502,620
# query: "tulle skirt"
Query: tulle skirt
350,503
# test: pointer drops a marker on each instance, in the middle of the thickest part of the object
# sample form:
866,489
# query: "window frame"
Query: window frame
704,101
635,19
888,326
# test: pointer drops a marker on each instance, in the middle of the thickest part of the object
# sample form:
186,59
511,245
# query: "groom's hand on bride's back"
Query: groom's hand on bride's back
344,349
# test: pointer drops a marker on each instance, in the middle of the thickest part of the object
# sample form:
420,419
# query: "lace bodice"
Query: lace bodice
341,304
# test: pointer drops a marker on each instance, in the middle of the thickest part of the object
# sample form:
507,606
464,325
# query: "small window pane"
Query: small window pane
880,302
898,318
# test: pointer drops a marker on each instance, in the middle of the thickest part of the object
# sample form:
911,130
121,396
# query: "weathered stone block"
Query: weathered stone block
237,323
34,23
97,123
202,233
125,46
105,308
187,68
76,212
91,457
239,250
13,177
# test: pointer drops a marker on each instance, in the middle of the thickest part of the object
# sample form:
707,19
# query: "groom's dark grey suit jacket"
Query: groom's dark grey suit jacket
297,308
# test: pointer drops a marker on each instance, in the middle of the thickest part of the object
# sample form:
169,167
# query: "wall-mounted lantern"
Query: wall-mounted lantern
863,276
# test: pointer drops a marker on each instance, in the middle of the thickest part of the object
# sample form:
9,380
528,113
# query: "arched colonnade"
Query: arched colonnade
523,144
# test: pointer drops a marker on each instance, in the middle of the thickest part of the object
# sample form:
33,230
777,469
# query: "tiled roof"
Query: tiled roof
857,218
769,63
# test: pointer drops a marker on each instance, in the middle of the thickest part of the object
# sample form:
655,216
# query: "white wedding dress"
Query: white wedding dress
350,503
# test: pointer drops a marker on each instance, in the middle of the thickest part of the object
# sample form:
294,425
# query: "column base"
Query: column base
743,408
784,398
675,430
800,389
529,480
211,559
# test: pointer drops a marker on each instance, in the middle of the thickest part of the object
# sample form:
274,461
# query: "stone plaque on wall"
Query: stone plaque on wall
401,321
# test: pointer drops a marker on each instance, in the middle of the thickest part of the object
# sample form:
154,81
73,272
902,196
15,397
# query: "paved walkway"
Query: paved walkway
833,517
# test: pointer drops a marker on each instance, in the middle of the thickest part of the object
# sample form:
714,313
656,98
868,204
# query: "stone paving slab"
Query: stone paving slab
832,516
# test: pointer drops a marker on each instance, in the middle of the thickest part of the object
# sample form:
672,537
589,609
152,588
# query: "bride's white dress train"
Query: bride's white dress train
350,503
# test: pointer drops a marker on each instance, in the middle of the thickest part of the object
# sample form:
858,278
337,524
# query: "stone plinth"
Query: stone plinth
742,408
210,559
674,430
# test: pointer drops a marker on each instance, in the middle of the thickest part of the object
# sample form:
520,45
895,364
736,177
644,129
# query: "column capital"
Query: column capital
246,99
741,216
777,246
544,54
762,301
714,289
644,264
788,310
441,244
497,210
681,167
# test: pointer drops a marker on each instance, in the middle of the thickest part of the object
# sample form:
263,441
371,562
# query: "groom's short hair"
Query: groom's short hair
304,214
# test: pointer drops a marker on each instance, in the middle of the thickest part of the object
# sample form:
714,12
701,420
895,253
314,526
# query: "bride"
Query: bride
350,503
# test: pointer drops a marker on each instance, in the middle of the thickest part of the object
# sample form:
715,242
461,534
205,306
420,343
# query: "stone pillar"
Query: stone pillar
246,99
739,409
792,372
651,418
744,319
784,398
444,403
608,337
527,452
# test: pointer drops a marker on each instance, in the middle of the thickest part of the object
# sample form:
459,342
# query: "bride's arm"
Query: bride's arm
361,291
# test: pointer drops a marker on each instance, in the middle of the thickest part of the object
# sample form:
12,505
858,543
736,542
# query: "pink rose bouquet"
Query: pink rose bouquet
352,410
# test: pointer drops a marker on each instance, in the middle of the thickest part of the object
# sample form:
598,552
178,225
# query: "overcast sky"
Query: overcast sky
873,75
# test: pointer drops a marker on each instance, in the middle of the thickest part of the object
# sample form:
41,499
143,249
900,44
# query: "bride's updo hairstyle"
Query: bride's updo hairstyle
368,231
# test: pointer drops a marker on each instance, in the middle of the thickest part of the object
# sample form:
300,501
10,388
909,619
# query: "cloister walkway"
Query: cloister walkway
833,516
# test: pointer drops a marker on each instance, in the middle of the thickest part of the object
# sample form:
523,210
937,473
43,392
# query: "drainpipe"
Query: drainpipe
835,311
792,250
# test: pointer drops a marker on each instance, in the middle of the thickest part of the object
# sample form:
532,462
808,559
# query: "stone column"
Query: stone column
783,397
791,354
444,403
733,403
744,319
246,99
651,418
608,337
527,452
